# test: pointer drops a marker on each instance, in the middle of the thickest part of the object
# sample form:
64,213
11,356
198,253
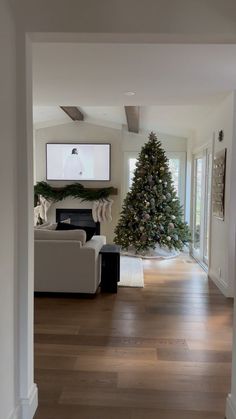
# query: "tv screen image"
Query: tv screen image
78,161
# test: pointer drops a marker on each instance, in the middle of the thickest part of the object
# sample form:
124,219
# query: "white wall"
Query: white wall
82,132
134,142
164,21
8,190
121,142
222,231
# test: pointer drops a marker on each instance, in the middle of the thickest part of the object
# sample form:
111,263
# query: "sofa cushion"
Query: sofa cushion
78,235
90,231
40,226
47,226
51,226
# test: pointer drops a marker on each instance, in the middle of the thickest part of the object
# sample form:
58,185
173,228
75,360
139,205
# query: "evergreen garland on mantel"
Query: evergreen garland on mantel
76,190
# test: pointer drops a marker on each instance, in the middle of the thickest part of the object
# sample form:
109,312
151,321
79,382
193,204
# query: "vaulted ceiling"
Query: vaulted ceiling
172,84
175,120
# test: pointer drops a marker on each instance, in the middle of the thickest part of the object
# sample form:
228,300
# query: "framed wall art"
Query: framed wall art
218,184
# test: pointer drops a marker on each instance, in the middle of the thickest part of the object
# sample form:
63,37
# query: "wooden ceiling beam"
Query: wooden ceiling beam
132,116
73,112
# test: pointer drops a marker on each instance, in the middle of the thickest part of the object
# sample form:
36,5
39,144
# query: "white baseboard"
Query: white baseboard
15,414
221,284
28,406
230,408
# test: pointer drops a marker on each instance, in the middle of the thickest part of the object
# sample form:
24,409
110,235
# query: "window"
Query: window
132,166
176,165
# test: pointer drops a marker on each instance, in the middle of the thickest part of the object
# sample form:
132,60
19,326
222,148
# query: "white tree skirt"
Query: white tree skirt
157,253
131,272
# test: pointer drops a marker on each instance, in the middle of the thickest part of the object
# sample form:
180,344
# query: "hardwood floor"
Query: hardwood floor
161,352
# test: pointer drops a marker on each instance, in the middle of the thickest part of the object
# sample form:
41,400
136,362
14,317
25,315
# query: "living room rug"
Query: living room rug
131,272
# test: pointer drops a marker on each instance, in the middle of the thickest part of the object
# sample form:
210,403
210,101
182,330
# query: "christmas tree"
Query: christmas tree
151,212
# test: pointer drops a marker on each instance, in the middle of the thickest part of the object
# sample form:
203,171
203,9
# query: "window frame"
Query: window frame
180,155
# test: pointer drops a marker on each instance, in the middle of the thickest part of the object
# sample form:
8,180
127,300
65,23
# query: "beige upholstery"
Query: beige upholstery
65,265
44,234
42,226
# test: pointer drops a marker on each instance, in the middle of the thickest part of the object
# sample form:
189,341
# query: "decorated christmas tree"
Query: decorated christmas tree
151,214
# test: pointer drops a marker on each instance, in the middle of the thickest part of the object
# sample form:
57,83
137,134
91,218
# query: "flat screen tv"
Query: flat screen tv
78,161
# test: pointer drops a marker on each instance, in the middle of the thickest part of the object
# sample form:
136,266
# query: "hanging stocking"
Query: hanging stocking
95,211
37,211
99,211
108,210
45,205
46,208
104,210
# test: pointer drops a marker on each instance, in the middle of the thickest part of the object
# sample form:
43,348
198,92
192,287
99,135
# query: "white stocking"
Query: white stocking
99,211
46,208
108,210
45,205
104,206
95,211
37,211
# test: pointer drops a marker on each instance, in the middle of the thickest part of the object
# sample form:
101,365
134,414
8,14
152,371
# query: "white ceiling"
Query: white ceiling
175,120
99,74
51,115
175,85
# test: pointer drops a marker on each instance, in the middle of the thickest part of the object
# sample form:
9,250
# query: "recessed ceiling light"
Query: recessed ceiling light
129,93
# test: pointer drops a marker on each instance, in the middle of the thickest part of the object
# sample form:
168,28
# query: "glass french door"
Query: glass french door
197,206
202,168
207,207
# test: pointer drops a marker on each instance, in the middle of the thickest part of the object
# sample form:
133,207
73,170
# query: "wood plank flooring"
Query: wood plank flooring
162,352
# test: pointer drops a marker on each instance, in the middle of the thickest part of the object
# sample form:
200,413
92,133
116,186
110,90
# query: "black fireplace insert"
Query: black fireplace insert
79,217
